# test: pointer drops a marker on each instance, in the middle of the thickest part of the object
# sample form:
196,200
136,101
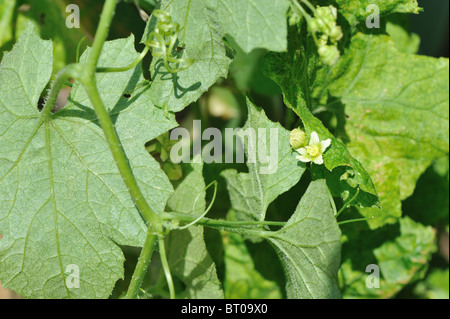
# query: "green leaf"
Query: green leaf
435,285
188,257
247,73
397,27
63,201
255,24
309,246
299,74
397,109
189,196
49,17
7,8
357,11
242,279
401,252
201,38
252,192
430,202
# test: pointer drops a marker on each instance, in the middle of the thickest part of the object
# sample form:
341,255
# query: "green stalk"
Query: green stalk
142,265
88,81
355,220
100,36
119,155
166,267
245,228
307,17
71,71
348,203
125,68
218,222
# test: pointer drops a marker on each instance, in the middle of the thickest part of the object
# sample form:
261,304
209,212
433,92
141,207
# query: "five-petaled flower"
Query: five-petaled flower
314,150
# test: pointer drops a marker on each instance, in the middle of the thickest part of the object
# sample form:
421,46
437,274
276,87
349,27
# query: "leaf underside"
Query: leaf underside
62,199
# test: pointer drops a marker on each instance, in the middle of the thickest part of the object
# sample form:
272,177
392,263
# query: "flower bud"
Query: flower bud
326,16
329,54
336,34
298,138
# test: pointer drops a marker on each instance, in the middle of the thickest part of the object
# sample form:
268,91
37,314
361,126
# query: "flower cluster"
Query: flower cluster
311,151
163,41
324,23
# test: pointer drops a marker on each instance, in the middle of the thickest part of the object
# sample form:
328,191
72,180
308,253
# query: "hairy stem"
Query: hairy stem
239,227
119,155
71,71
142,265
88,81
100,36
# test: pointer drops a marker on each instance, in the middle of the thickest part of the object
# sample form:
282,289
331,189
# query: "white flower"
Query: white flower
314,151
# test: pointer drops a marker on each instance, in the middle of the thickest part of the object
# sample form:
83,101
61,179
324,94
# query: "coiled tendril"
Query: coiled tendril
163,40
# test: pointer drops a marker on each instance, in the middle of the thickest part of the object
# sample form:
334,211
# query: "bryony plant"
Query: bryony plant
78,185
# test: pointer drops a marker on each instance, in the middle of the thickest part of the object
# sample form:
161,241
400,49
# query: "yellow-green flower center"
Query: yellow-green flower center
313,150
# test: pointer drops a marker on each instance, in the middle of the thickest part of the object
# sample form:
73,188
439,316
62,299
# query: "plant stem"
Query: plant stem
100,36
119,155
355,220
142,265
166,267
88,81
68,72
218,222
348,203
125,68
237,227
307,17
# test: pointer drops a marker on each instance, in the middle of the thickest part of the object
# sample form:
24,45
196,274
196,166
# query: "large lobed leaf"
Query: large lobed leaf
243,280
62,199
397,109
309,246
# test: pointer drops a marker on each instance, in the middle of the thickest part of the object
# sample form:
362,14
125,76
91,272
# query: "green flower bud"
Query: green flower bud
336,34
324,22
294,17
313,26
333,11
329,54
298,138
326,16
322,41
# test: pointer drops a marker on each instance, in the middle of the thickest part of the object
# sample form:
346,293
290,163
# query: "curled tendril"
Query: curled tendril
163,40
174,224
